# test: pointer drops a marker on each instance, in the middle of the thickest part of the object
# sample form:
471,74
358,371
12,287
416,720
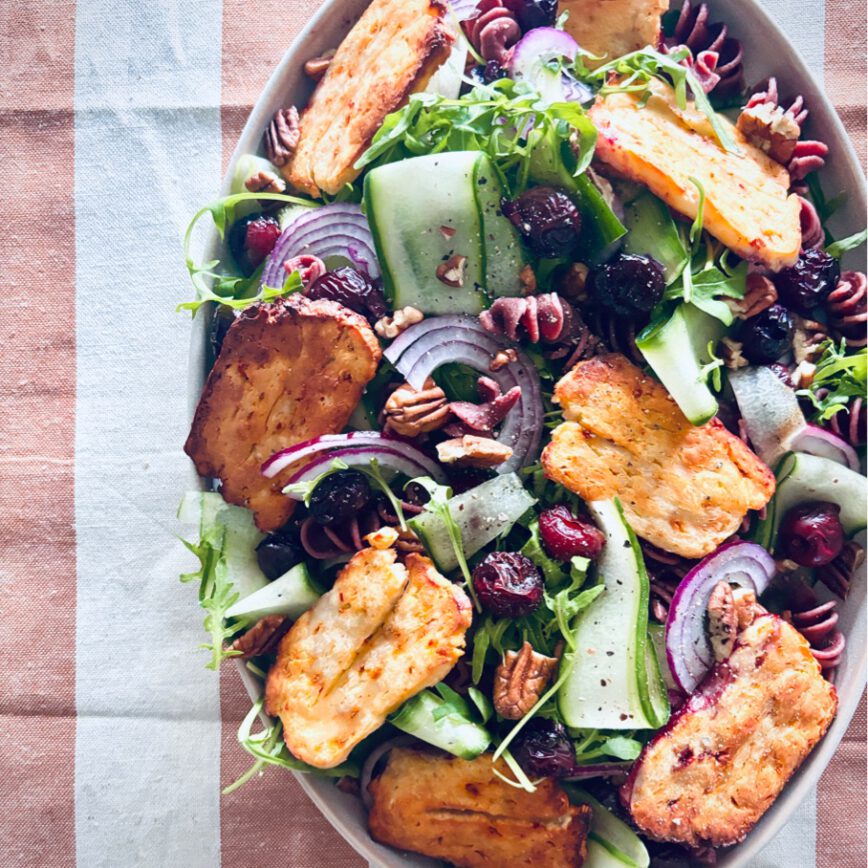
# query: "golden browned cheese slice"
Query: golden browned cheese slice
287,371
718,766
460,811
384,632
610,28
396,46
747,206
683,488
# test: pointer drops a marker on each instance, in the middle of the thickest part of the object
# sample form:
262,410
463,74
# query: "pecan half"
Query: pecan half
282,135
410,412
732,355
771,129
759,295
317,67
520,680
746,607
263,637
808,338
391,326
722,621
472,451
265,182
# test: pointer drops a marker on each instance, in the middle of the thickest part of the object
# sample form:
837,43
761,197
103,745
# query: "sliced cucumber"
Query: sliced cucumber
615,682
426,717
291,594
213,515
481,514
425,210
652,231
288,213
504,253
611,842
677,350
601,229
447,80
803,478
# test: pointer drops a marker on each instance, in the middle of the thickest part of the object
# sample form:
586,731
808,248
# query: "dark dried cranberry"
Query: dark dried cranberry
811,534
340,496
629,285
508,584
352,289
278,552
806,285
767,336
492,71
543,749
564,536
547,218
533,13
251,239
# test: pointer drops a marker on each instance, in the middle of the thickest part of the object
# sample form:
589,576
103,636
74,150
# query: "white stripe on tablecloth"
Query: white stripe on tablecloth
147,154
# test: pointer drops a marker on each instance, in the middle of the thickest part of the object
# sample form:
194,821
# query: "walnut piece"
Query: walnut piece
771,129
528,280
759,295
390,327
263,637
503,358
808,338
451,272
316,67
265,182
746,607
571,283
722,621
282,135
520,680
732,355
410,412
473,451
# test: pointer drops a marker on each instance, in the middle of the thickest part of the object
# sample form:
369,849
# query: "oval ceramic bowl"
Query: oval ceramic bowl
767,52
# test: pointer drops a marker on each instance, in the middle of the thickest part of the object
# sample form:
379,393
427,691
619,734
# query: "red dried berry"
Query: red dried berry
811,534
508,584
251,239
565,536
352,289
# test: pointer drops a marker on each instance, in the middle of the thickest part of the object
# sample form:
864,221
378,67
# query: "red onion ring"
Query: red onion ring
281,460
367,771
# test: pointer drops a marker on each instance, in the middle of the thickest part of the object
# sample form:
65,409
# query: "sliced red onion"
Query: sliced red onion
814,440
688,650
436,341
464,9
529,63
281,460
397,458
339,229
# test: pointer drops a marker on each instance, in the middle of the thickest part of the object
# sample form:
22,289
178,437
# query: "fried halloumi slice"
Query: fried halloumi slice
747,206
393,50
611,28
683,488
717,767
384,632
287,371
460,811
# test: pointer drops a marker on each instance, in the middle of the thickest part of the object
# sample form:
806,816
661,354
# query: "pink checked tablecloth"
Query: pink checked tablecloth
116,120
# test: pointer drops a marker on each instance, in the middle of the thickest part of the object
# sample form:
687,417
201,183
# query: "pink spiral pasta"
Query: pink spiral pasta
813,234
818,623
716,56
847,308
838,575
494,31
809,155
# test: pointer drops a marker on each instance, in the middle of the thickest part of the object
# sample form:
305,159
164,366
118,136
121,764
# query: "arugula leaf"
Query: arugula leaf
506,120
839,378
637,69
268,748
552,570
217,593
218,286
711,372
851,242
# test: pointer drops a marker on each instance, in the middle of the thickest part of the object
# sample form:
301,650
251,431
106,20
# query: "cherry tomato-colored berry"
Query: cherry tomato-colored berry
547,218
352,289
811,534
508,584
807,284
565,536
340,496
629,285
251,239
543,749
